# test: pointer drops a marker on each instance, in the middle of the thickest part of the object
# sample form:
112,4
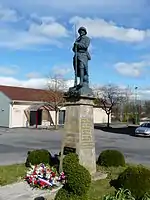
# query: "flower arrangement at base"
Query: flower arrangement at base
43,177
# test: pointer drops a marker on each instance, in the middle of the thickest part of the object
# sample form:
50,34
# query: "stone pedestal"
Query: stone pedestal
79,132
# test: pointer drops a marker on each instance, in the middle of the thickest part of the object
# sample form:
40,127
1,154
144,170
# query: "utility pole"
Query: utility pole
127,104
135,105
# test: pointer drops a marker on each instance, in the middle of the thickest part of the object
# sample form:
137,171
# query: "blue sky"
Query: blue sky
36,39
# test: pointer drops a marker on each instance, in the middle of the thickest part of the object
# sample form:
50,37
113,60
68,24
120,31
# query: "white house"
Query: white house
24,107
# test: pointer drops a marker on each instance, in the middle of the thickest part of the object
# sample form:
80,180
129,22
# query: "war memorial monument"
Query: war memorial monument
79,126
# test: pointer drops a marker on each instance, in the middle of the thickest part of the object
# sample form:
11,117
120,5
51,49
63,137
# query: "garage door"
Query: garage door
17,118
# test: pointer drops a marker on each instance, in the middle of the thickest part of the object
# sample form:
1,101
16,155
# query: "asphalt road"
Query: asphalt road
15,143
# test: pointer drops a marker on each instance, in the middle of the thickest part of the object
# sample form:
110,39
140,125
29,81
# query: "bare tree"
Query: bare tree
107,97
55,94
146,108
125,104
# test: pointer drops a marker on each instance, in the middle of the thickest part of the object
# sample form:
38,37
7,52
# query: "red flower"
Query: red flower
53,174
35,182
34,173
42,184
30,180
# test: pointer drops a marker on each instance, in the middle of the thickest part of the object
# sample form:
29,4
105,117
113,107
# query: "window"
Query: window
61,117
143,125
148,125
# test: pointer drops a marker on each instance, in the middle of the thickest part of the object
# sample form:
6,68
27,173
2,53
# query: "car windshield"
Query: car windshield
146,125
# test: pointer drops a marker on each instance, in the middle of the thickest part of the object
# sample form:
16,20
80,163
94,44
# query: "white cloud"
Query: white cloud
131,69
8,15
10,38
99,28
42,19
39,83
42,83
47,32
31,83
142,93
11,70
33,75
61,70
50,30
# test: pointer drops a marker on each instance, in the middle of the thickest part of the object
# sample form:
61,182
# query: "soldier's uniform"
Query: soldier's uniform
82,56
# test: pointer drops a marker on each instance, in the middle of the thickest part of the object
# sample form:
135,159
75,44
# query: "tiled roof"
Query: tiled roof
27,94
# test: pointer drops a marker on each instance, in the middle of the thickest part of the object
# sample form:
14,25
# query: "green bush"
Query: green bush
70,161
110,158
78,180
63,194
136,179
77,197
38,156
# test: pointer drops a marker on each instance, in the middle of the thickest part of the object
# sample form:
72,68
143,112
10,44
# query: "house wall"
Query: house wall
100,116
4,110
18,118
53,115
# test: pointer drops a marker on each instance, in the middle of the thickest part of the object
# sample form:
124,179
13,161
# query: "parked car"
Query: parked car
143,130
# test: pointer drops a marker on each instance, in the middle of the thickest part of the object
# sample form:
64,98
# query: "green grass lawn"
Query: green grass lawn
102,187
13,173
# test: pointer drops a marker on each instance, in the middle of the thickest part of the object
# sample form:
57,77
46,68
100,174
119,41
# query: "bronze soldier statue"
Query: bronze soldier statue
81,57
80,64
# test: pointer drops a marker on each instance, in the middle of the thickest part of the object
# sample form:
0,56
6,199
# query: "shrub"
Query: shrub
70,161
38,156
78,180
110,158
136,179
63,194
77,197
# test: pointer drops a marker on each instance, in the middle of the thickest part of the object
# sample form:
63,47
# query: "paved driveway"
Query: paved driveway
14,144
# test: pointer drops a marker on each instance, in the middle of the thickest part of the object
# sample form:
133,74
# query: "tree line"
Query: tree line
115,101
121,105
